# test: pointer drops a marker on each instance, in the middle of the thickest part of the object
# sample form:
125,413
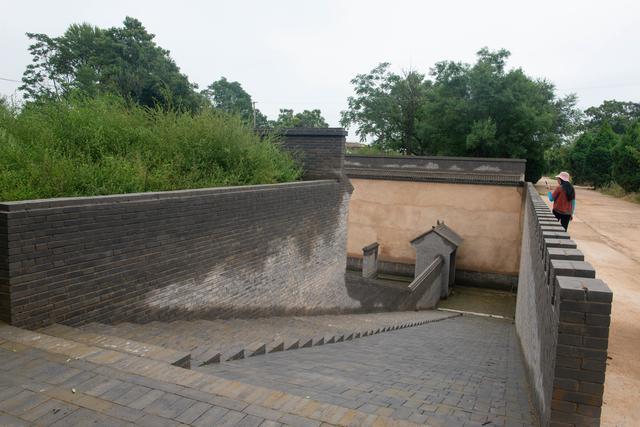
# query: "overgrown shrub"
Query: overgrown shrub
83,147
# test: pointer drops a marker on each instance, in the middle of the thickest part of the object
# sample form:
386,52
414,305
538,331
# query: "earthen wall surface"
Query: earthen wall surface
394,212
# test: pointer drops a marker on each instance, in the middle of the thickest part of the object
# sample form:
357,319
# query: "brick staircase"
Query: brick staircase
49,380
213,341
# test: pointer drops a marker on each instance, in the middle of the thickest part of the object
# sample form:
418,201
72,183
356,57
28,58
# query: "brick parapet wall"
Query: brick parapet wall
562,319
218,252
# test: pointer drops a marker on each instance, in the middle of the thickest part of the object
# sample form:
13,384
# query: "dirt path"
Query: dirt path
607,231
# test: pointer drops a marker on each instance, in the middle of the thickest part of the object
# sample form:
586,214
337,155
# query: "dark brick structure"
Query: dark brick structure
241,251
317,150
562,321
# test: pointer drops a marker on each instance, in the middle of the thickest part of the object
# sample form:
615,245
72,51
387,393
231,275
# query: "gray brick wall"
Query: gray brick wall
238,251
562,321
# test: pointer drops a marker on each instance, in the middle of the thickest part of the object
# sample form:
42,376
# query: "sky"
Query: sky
303,54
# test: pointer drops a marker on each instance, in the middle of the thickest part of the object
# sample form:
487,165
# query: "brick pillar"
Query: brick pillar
320,150
583,331
5,301
370,260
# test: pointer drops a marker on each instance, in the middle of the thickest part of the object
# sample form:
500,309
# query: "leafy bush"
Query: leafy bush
84,147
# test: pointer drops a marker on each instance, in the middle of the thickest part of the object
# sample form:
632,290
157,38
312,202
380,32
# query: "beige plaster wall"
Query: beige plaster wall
393,213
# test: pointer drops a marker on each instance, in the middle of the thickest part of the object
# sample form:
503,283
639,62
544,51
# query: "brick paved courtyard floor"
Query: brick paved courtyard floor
462,371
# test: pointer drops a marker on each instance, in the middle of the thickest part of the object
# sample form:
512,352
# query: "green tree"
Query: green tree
386,107
626,159
305,119
556,159
599,161
465,110
121,60
578,156
591,156
488,111
232,98
619,115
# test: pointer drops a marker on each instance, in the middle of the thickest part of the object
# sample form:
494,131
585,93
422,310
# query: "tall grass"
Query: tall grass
85,147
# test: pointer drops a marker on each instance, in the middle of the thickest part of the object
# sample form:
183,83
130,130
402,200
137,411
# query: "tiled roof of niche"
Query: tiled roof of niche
444,231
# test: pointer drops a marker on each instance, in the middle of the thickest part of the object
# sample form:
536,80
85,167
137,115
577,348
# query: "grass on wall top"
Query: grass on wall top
87,147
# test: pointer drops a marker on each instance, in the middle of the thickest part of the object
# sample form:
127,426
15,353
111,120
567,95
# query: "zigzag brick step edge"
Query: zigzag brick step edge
160,371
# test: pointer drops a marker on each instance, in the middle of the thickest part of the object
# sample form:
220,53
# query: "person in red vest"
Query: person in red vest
564,199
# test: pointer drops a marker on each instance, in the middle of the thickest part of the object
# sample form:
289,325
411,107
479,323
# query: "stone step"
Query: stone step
162,354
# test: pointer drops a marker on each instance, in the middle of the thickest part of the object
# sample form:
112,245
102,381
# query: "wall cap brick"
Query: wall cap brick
149,196
560,243
563,267
307,132
587,288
